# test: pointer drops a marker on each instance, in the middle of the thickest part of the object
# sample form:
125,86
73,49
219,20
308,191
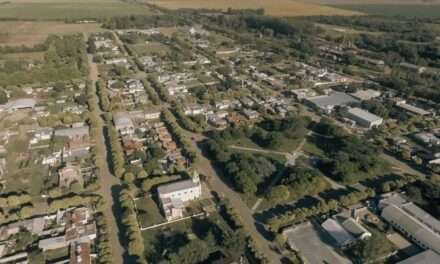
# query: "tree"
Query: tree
278,194
3,97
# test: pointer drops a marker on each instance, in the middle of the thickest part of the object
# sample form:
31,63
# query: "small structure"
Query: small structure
70,174
412,67
123,123
74,133
364,118
410,108
338,233
80,253
20,104
173,196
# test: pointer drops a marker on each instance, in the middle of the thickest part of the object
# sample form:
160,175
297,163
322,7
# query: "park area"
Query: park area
278,8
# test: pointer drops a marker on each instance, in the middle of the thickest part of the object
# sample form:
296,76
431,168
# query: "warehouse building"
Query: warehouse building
412,221
327,103
364,118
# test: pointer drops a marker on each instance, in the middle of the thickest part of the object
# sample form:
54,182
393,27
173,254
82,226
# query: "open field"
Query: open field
376,2
273,8
405,10
68,9
29,33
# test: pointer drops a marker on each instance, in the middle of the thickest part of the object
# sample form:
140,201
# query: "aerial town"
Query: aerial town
226,136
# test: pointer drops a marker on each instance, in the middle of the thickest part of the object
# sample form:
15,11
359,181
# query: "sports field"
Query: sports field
272,7
68,9
29,33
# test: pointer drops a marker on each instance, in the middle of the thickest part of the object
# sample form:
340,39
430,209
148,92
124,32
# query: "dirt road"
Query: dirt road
109,183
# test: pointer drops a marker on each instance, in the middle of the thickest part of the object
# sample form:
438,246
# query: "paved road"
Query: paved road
108,181
205,167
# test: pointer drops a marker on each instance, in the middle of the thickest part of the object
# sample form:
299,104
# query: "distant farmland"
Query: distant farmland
29,33
68,9
271,7
410,10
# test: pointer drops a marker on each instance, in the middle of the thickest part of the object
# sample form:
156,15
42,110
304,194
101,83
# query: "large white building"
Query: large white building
412,221
173,196
364,118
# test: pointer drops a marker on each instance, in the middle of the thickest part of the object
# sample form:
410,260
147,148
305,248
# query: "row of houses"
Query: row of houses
73,229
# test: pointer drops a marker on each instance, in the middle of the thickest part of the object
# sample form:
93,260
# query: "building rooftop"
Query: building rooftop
413,225
72,132
334,99
122,120
21,103
426,257
365,115
337,232
365,94
176,186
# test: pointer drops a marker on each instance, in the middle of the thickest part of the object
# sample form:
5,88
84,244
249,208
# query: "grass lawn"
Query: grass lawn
56,254
32,56
168,237
311,149
148,212
146,49
61,10
23,174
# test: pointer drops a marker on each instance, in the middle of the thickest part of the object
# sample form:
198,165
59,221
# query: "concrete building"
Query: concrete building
327,103
364,118
412,221
173,196
20,104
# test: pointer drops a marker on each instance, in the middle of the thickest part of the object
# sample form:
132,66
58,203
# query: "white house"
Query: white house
173,196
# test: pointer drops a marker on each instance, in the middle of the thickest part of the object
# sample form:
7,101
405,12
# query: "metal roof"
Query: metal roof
74,131
426,257
413,225
176,186
364,115
334,99
337,232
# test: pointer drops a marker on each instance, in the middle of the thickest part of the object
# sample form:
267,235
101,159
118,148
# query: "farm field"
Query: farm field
29,33
405,10
68,9
378,2
274,8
